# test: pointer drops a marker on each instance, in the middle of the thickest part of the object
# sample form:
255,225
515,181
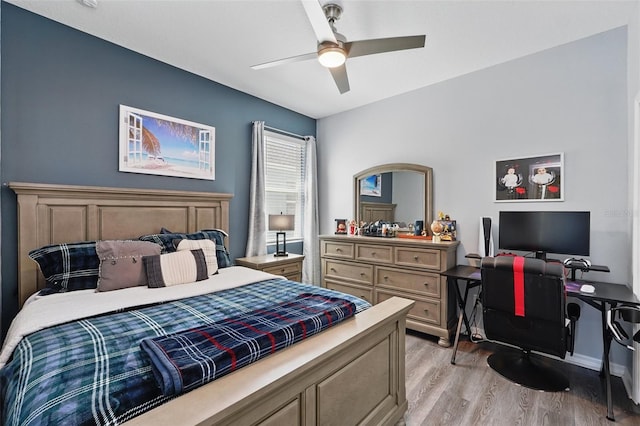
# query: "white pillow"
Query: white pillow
165,270
207,246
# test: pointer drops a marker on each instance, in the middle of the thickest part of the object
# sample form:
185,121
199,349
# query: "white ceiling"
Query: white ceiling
221,39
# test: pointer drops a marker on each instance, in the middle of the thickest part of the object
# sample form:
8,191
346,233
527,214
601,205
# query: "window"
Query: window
284,183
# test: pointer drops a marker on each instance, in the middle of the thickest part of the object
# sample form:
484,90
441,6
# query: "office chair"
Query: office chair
524,306
629,314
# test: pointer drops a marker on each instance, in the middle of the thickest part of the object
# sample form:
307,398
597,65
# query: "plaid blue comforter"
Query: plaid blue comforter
191,358
92,371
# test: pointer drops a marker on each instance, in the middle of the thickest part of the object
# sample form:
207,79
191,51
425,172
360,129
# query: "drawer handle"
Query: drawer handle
426,284
339,250
386,277
362,274
282,270
373,253
415,257
332,269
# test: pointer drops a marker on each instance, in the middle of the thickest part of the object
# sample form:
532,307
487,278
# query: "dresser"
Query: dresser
376,269
289,266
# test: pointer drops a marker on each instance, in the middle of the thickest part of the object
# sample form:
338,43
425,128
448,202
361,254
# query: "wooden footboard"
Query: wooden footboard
348,375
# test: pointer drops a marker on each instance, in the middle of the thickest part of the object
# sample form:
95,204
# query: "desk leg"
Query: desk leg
462,317
606,339
457,339
463,307
451,281
462,300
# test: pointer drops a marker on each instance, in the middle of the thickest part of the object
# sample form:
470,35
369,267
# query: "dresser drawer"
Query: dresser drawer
338,249
359,273
426,311
422,283
287,269
372,253
418,258
362,292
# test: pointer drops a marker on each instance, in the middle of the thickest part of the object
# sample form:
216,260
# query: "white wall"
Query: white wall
409,204
571,99
632,379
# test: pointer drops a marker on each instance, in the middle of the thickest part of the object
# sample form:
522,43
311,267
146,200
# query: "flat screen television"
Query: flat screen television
542,232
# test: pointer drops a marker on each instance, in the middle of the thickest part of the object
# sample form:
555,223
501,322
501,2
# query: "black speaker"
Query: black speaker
486,230
418,227
485,240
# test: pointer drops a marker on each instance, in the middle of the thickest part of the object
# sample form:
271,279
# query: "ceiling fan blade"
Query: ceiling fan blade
339,75
289,60
318,20
381,45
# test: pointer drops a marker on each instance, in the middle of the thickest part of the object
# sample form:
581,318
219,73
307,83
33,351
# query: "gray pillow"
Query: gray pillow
121,263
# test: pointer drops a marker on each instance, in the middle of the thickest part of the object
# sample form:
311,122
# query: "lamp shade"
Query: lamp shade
331,55
281,222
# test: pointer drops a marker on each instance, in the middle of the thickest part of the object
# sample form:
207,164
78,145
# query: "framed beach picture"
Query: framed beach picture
371,186
157,144
538,178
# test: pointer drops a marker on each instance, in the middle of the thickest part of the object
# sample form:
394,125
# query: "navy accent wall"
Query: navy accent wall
61,89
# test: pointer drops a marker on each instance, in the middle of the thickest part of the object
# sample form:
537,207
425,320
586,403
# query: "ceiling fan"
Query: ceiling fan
334,49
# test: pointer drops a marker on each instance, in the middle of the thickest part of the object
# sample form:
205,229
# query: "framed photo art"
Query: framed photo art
371,186
157,144
538,178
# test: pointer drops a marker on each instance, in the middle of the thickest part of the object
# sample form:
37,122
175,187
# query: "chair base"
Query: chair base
527,370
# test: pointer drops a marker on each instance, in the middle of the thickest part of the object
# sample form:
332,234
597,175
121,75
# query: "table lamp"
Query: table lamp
281,222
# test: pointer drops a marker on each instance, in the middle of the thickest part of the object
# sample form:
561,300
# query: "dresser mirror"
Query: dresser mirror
396,193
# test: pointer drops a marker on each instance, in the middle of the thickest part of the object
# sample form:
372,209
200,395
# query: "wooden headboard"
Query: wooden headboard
51,214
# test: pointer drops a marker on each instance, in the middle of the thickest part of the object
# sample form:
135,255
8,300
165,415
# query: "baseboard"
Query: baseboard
595,364
627,380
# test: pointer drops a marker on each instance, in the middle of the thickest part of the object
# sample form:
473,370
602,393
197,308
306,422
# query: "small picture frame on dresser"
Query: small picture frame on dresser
341,226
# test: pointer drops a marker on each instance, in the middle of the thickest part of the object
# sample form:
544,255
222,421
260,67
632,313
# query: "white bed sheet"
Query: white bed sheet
45,311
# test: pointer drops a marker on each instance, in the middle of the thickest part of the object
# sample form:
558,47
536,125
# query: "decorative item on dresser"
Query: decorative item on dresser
290,267
376,269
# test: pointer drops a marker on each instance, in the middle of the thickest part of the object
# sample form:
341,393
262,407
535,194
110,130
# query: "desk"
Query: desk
470,275
605,297
604,294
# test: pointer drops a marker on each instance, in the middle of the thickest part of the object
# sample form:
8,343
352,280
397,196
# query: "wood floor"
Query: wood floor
471,393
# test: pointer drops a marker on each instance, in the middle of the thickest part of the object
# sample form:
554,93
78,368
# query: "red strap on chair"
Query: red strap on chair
518,285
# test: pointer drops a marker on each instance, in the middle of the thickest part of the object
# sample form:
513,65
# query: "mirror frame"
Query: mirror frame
399,167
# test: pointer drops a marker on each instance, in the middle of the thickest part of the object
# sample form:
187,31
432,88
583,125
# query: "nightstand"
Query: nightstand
290,266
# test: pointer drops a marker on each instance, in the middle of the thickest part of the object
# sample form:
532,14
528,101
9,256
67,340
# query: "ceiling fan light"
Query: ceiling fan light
332,56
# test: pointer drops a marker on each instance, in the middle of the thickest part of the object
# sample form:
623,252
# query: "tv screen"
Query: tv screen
545,232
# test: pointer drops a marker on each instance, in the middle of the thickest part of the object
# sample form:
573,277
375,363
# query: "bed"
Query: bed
351,373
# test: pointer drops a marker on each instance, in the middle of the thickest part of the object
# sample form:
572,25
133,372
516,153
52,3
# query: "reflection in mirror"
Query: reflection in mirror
397,193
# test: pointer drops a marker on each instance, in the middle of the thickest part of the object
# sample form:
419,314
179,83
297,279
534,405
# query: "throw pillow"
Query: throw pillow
180,267
121,263
208,247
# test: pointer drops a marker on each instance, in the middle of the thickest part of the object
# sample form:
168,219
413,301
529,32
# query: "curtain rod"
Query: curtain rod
284,132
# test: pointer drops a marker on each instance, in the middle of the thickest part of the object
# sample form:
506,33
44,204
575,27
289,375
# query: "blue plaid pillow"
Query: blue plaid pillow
217,235
68,267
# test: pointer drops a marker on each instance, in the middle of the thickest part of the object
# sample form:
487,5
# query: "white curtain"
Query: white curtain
257,235
311,247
